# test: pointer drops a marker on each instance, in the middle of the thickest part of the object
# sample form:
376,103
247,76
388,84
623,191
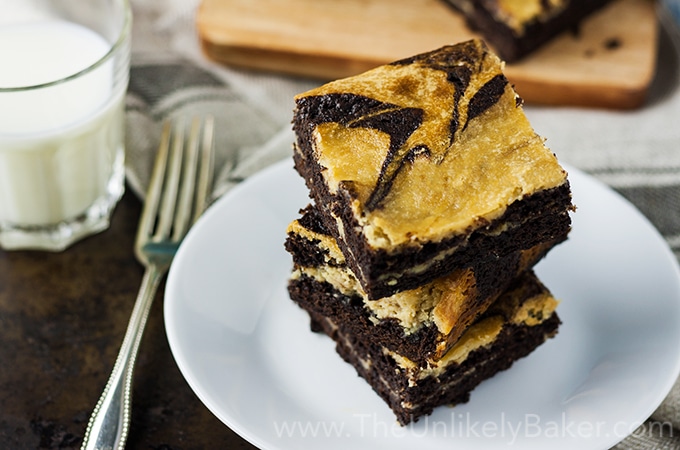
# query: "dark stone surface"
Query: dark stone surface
62,320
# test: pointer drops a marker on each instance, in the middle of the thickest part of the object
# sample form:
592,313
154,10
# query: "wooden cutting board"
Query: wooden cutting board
609,62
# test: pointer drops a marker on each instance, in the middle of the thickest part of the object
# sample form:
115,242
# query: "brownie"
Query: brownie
421,323
515,29
426,166
516,324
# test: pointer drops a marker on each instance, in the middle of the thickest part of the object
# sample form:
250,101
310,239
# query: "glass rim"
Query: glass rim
125,32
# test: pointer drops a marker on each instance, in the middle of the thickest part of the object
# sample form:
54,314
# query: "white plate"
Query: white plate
246,349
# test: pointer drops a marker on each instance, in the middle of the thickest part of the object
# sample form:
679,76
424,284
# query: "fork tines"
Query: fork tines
182,176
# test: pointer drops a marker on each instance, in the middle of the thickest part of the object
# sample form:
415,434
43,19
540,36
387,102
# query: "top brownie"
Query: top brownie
427,165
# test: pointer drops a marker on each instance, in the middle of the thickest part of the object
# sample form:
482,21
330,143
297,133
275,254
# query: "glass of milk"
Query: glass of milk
64,67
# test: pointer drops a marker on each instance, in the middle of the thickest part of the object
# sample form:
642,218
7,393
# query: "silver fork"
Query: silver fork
169,211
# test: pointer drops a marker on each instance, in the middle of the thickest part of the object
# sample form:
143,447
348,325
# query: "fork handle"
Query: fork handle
110,421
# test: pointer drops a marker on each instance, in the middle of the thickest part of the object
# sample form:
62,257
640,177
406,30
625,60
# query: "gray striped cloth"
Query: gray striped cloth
635,152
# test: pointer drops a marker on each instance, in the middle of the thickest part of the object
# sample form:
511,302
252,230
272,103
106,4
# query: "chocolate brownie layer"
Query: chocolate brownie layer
428,165
520,321
421,323
515,29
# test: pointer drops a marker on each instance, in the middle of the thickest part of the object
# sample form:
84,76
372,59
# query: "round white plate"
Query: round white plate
246,349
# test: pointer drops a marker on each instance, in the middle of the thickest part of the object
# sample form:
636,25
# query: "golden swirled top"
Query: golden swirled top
426,146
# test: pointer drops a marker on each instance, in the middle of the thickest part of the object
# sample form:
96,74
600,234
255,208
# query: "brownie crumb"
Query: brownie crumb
612,43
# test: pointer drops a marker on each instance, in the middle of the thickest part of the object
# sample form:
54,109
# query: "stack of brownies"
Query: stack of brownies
433,198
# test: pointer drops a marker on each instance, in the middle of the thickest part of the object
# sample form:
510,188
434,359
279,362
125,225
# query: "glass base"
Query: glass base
59,236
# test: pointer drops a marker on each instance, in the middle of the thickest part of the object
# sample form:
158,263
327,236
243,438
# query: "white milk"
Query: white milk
59,144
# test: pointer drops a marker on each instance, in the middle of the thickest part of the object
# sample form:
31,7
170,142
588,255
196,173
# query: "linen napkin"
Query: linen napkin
635,152
170,79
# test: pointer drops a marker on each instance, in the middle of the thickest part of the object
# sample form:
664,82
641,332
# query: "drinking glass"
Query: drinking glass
65,69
